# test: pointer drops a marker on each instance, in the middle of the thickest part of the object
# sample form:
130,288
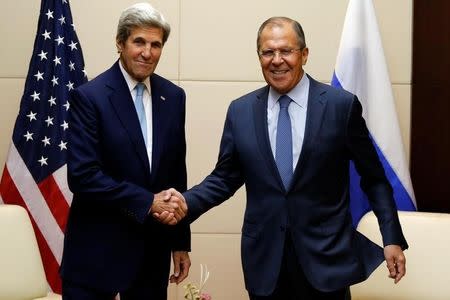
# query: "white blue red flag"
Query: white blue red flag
361,69
35,172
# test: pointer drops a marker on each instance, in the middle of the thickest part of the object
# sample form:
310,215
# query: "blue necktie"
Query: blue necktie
283,155
139,104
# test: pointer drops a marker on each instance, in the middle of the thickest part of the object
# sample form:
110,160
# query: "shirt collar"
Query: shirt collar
299,94
131,82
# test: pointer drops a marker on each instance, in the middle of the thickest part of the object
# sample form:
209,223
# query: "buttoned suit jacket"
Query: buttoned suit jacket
110,239
316,206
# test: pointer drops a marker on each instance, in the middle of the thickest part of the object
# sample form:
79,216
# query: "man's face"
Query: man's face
140,53
284,69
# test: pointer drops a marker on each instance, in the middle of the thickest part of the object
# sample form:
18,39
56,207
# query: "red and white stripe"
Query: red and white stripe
47,204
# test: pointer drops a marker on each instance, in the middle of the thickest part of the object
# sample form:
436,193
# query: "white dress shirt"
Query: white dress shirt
147,100
297,112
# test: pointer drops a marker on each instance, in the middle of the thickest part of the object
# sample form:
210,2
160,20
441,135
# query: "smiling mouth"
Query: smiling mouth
279,72
143,63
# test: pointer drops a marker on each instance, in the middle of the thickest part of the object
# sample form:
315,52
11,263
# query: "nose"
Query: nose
147,51
277,59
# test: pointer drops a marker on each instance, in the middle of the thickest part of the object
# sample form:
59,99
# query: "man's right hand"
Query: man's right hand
169,207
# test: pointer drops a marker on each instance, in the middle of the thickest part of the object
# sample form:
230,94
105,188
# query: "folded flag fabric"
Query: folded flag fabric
361,69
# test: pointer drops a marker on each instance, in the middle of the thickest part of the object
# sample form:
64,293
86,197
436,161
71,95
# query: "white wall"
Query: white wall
211,53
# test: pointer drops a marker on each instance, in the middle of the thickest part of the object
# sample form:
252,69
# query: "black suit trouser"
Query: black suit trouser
292,283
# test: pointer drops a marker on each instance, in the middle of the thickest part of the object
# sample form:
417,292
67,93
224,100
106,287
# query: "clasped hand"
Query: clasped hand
169,207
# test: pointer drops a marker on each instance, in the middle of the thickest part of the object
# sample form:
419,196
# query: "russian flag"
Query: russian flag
361,69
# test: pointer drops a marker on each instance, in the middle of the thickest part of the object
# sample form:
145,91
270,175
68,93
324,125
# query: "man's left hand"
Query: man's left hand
181,265
396,262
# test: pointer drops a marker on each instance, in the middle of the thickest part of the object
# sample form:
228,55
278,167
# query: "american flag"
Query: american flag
35,172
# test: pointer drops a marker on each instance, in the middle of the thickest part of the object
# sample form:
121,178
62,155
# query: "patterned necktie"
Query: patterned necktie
139,104
283,155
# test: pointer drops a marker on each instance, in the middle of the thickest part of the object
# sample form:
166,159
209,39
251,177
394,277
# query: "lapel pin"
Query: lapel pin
162,98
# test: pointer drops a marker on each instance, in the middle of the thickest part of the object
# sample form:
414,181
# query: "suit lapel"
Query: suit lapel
262,134
314,117
158,122
123,105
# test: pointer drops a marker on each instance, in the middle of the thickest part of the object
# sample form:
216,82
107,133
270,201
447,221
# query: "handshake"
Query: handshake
169,207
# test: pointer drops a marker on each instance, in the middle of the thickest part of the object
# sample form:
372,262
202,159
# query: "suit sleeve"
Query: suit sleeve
373,179
86,176
225,179
181,235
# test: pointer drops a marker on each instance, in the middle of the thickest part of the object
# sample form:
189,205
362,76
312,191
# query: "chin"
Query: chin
142,76
280,89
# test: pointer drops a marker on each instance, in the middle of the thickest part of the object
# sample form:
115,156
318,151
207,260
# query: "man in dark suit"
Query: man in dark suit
290,143
127,142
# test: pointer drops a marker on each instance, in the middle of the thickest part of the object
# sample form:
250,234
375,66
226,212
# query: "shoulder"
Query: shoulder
331,90
98,84
96,91
166,89
159,82
333,95
162,88
250,98
103,78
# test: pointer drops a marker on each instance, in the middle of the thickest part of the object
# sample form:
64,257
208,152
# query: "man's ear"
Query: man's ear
119,46
305,54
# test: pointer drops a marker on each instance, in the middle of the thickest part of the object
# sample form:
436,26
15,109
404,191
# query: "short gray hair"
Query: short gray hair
279,22
140,15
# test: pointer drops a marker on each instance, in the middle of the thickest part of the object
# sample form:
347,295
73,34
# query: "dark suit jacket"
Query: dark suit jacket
109,236
316,207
